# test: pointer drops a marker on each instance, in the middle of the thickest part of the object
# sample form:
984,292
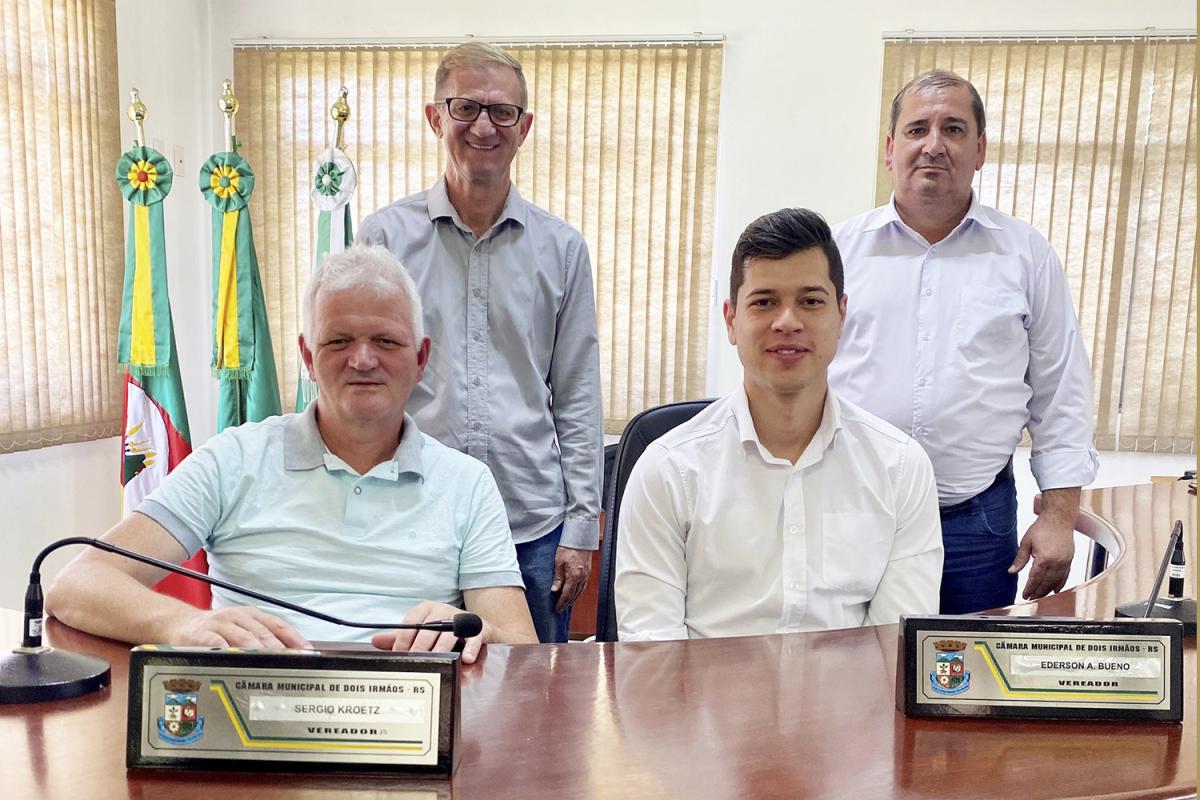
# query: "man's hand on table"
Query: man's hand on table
432,641
237,626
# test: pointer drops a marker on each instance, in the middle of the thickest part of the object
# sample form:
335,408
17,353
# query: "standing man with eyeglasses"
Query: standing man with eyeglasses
507,292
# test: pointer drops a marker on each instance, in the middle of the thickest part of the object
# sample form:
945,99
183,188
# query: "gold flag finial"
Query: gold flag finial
136,111
340,113
229,107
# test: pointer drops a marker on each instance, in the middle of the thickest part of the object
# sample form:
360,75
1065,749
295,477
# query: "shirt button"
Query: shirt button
358,490
792,529
928,292
476,426
475,381
922,382
925,337
478,336
478,293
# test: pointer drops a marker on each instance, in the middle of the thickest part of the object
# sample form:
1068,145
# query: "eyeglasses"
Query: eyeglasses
503,115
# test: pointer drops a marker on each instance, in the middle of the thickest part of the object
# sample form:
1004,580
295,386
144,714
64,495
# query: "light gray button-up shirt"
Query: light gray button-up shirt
514,374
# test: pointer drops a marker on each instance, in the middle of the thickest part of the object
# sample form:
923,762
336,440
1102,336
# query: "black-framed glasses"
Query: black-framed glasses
503,115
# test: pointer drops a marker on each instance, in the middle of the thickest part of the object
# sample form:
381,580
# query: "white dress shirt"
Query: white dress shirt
717,537
965,343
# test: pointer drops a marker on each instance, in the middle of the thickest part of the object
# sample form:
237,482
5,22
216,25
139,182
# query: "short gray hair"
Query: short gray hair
939,79
474,55
362,267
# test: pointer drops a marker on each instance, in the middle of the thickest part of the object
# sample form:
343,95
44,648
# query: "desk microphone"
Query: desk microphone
1175,605
34,672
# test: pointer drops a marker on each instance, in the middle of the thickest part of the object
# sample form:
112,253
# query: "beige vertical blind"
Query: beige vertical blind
623,147
1094,143
60,235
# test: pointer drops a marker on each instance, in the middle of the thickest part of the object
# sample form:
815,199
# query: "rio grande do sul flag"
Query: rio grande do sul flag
155,435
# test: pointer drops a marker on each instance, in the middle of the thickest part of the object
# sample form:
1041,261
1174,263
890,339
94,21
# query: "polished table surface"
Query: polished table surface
789,716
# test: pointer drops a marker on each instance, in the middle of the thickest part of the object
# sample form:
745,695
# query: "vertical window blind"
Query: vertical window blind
60,276
623,147
1094,143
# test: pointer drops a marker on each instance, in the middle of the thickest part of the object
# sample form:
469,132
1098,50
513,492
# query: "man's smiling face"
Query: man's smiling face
478,151
786,322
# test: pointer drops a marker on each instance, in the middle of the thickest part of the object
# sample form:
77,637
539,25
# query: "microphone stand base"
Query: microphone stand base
1165,608
35,676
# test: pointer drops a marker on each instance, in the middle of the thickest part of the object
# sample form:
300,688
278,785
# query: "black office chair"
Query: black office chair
639,433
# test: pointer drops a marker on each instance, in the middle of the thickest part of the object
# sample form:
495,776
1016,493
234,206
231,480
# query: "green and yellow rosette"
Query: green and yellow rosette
144,344
227,181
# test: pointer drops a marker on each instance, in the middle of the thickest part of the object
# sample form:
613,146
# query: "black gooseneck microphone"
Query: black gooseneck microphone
34,672
1175,605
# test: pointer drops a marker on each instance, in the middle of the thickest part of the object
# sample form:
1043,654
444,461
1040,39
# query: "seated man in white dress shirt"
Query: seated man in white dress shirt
780,507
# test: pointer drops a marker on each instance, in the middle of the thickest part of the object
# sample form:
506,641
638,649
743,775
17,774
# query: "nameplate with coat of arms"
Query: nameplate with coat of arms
293,710
1040,667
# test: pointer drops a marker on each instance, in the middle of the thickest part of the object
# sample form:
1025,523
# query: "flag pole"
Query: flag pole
340,113
137,112
229,107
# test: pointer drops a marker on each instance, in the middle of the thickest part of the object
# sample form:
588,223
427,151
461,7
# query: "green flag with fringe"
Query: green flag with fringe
242,357
154,434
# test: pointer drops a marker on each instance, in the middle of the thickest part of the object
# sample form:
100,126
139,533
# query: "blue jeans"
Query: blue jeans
536,560
980,538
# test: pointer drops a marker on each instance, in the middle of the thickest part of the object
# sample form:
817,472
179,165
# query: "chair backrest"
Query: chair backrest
639,433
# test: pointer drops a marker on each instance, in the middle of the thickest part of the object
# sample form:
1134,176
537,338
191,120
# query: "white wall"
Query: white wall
816,149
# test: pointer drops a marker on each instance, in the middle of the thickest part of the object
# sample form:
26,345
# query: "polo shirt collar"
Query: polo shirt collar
831,423
440,207
303,447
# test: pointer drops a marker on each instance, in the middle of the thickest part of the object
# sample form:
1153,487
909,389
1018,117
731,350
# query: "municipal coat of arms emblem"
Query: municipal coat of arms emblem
181,722
950,674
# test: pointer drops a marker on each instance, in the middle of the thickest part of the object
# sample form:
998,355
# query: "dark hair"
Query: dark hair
939,79
779,235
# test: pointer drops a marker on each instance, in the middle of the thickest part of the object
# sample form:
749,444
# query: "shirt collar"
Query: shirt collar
831,423
887,215
440,207
303,447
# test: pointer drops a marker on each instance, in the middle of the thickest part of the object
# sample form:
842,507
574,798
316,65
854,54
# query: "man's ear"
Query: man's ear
887,152
523,127
423,356
433,115
728,311
306,355
982,156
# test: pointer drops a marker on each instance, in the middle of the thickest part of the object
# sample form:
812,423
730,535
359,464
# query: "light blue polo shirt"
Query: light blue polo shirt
280,514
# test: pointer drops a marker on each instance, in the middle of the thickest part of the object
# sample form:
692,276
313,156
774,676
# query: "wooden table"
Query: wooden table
798,715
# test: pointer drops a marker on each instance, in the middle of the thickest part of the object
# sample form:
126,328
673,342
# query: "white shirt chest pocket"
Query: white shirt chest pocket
855,548
990,318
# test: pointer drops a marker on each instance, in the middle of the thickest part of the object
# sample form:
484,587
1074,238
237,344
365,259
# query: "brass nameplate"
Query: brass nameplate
336,710
1040,667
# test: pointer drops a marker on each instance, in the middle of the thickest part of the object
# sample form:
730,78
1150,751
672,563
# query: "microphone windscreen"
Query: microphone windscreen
467,625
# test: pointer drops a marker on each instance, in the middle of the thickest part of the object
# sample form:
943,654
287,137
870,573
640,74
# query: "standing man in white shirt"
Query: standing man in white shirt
779,507
507,288
962,333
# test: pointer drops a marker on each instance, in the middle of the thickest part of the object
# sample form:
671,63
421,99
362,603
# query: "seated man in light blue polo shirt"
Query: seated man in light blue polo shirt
346,508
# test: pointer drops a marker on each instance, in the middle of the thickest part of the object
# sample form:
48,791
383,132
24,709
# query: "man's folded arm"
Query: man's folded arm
651,580
912,579
504,610
109,595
